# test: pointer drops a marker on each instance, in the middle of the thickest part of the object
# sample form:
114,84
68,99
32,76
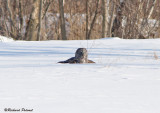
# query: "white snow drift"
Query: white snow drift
6,39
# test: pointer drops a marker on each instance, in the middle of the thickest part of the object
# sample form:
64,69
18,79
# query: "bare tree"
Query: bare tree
31,30
105,18
93,21
62,20
112,7
134,19
79,19
20,14
40,20
11,19
87,19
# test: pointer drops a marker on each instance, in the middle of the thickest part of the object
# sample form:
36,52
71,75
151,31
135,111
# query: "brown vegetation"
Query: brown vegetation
79,19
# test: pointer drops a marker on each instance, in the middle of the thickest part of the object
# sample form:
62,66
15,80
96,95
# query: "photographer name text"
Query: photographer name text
17,110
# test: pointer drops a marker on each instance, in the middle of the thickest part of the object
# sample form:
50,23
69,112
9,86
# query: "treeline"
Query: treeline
35,20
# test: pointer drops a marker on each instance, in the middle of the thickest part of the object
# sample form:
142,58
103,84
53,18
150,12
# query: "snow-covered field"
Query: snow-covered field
125,78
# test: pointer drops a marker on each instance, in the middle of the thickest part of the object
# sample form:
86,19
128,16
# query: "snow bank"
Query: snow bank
6,39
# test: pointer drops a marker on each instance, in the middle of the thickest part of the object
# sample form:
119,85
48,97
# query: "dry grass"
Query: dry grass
156,56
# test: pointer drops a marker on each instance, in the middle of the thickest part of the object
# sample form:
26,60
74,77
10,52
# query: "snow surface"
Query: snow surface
125,78
6,39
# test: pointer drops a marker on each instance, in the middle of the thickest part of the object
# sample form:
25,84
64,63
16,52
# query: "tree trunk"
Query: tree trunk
46,9
20,15
104,20
31,30
110,23
13,32
117,24
40,19
62,20
94,20
151,9
87,19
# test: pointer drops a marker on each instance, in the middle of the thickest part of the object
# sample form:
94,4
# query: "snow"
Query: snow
5,39
125,78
